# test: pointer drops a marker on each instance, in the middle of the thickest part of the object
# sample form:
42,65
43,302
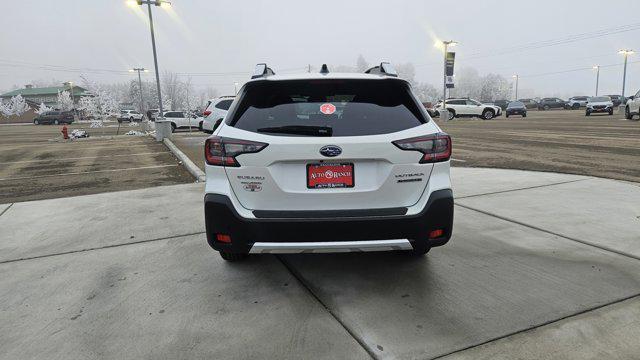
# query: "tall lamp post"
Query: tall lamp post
626,53
446,44
517,77
159,134
597,69
139,70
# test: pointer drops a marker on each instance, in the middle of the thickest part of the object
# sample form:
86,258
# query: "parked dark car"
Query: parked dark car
551,103
152,114
502,103
529,103
54,117
616,99
516,108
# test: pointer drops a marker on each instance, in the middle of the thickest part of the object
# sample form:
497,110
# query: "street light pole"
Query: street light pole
446,44
626,53
517,77
159,134
597,68
155,59
139,70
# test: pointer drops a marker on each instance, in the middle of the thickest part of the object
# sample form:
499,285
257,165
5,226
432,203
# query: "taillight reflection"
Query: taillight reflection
435,148
221,151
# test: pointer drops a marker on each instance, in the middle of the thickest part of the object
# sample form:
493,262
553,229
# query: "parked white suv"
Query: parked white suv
181,119
577,102
599,104
327,163
214,112
130,115
632,107
463,107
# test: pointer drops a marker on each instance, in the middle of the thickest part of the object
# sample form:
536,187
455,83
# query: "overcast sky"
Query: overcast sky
210,36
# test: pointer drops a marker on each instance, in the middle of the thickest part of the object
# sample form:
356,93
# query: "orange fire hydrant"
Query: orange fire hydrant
65,132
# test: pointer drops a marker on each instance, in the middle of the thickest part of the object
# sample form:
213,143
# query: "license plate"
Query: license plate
330,175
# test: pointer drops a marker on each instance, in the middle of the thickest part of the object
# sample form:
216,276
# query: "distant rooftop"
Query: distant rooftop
52,90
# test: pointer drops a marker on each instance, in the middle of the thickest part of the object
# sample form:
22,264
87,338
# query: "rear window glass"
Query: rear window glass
224,104
345,107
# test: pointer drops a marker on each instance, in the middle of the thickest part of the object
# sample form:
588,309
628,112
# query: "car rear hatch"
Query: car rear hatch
327,145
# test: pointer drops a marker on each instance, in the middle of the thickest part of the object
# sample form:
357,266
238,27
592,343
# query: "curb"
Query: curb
191,167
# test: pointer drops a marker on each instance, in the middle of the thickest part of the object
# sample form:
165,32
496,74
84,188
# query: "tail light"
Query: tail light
435,148
223,151
206,113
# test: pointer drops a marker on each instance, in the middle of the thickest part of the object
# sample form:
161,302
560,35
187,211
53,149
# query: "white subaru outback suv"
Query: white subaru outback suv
327,162
464,107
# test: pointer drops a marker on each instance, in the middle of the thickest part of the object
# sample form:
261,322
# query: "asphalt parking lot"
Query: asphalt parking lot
554,141
559,141
132,277
36,164
541,265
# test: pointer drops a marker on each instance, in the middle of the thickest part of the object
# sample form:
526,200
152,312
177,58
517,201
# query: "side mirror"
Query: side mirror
632,97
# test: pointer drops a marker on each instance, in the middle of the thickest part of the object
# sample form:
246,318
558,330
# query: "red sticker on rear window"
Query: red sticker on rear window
327,109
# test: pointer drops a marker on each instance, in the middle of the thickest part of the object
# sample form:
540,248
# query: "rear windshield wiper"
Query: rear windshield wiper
299,130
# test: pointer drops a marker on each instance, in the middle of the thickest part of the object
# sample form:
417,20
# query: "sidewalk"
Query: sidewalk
536,258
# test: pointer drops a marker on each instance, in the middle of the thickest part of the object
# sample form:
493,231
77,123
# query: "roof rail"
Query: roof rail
384,68
262,70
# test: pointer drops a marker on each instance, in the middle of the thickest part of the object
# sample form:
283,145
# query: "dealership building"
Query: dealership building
46,95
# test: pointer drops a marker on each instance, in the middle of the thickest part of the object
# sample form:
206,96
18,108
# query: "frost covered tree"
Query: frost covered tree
426,92
407,72
64,101
468,83
42,109
102,104
5,109
18,105
361,64
495,87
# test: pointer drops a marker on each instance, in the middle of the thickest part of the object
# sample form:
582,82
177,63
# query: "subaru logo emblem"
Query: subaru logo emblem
330,150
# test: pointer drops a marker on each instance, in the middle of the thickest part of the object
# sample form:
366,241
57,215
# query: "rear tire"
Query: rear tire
525,115
131,119
229,256
173,127
452,114
200,126
587,113
627,113
507,115
576,106
545,108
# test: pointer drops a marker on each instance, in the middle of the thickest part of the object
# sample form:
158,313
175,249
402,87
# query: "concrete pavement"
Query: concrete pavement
129,275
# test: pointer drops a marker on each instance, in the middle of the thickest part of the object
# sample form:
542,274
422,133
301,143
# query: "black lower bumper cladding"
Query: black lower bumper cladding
221,218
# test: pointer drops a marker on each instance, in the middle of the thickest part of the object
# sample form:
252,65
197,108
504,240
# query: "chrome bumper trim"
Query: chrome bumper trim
329,247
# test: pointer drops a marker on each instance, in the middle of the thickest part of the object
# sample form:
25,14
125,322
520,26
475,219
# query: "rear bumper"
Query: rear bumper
330,233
